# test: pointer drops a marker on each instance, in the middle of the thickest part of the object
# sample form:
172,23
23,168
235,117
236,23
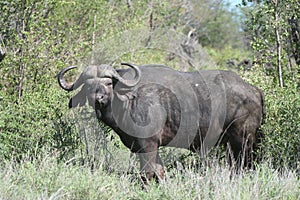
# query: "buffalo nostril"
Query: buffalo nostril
100,98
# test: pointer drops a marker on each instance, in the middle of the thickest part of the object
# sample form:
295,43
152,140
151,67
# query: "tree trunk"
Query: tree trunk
278,42
93,40
2,51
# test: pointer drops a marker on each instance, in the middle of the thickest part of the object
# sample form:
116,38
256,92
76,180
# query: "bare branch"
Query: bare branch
128,4
2,49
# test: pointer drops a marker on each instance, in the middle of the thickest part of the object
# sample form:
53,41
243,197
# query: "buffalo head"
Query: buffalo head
97,83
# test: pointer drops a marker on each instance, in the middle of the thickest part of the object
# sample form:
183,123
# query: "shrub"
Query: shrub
282,127
34,124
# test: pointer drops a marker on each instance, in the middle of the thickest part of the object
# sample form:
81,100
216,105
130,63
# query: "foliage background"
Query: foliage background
42,37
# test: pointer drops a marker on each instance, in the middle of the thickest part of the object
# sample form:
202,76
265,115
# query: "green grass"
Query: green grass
45,178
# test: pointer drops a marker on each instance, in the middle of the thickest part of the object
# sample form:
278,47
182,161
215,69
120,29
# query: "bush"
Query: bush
282,127
35,124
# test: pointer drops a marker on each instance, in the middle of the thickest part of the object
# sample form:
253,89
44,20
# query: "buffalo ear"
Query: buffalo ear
78,100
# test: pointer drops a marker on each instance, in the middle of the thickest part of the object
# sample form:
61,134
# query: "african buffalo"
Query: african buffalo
153,105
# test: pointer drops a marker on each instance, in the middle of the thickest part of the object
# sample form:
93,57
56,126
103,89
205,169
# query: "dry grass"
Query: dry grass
46,179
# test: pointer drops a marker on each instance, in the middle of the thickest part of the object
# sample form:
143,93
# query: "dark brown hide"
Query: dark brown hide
192,110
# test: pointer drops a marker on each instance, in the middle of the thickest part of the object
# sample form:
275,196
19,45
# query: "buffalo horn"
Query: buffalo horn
133,82
61,80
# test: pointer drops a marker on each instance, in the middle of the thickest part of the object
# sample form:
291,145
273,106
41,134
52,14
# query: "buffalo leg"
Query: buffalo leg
151,166
242,137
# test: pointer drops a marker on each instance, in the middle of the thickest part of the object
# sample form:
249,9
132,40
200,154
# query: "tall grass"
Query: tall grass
45,178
